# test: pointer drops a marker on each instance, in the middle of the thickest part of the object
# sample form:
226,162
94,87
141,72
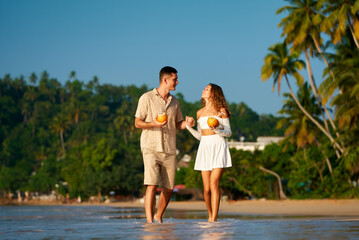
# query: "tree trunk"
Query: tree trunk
241,187
33,122
62,141
322,55
320,171
329,165
336,145
320,100
33,130
352,32
281,193
316,94
327,160
125,137
315,89
99,194
332,74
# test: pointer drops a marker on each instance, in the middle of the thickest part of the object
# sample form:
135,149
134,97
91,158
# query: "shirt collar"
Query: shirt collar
156,93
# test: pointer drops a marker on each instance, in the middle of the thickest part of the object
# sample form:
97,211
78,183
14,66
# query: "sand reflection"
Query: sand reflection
159,231
215,230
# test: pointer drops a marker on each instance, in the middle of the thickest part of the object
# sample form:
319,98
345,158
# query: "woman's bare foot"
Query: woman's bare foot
212,220
157,219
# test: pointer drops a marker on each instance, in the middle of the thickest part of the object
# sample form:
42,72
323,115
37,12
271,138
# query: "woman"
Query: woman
213,152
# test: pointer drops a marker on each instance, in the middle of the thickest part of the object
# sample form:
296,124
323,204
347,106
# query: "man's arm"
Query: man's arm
182,125
144,125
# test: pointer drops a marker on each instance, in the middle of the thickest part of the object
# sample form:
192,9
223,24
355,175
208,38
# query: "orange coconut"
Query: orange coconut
212,122
162,117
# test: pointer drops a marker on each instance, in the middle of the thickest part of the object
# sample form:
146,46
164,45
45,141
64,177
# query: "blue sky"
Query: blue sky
128,41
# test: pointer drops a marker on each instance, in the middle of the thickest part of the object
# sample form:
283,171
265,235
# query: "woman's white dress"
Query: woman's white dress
213,151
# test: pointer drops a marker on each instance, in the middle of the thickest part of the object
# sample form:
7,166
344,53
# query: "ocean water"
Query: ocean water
106,222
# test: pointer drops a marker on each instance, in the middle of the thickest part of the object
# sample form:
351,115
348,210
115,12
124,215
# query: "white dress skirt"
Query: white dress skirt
213,152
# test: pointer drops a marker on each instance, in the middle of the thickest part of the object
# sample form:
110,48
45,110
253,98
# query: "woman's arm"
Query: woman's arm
226,131
197,134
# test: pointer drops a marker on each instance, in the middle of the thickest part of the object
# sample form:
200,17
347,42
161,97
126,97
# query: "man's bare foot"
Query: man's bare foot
157,219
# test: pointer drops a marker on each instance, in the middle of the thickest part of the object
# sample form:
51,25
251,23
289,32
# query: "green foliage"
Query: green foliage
193,179
248,124
12,178
80,138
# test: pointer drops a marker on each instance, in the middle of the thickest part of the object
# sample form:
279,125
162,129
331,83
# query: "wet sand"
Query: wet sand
285,207
326,207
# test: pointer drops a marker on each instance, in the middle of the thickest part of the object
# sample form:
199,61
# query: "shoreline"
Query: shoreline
313,207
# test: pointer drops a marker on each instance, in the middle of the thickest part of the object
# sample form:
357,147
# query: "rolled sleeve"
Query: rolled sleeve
159,139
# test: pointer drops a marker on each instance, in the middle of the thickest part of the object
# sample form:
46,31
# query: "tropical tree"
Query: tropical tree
59,125
302,28
344,64
301,131
244,177
124,122
99,157
29,106
280,63
340,16
77,99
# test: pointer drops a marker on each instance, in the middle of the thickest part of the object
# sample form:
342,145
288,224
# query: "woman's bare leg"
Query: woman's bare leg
207,192
215,177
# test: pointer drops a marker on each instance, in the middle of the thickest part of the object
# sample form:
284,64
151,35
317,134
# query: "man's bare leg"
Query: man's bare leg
162,203
150,200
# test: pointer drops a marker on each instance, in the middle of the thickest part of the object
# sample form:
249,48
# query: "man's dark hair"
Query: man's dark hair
167,70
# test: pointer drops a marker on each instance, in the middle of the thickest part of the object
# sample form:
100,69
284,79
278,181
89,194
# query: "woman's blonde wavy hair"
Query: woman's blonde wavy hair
219,100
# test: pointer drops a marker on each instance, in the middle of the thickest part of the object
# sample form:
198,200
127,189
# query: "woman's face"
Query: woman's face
206,93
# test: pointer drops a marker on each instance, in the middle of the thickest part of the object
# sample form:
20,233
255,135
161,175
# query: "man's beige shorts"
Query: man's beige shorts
160,168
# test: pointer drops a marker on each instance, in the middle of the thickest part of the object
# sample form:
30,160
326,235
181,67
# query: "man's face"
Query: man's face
171,81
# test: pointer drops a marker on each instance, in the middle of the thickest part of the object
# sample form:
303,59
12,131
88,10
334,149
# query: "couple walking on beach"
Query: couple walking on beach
158,142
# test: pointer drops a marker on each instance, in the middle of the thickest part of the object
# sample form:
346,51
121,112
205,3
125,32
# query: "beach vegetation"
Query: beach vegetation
78,138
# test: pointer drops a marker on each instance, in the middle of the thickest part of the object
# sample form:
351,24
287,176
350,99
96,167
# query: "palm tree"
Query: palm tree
33,78
59,125
301,131
347,103
302,28
29,106
124,122
278,63
76,105
345,67
341,15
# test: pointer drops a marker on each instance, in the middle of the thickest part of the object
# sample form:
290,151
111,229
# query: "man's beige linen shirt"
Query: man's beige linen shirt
162,139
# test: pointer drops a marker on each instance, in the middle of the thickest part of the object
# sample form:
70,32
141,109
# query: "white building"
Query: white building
251,146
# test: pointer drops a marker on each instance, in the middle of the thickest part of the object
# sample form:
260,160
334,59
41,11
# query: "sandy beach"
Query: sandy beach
284,207
326,207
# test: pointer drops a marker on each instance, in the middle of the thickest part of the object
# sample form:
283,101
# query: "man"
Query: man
158,141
